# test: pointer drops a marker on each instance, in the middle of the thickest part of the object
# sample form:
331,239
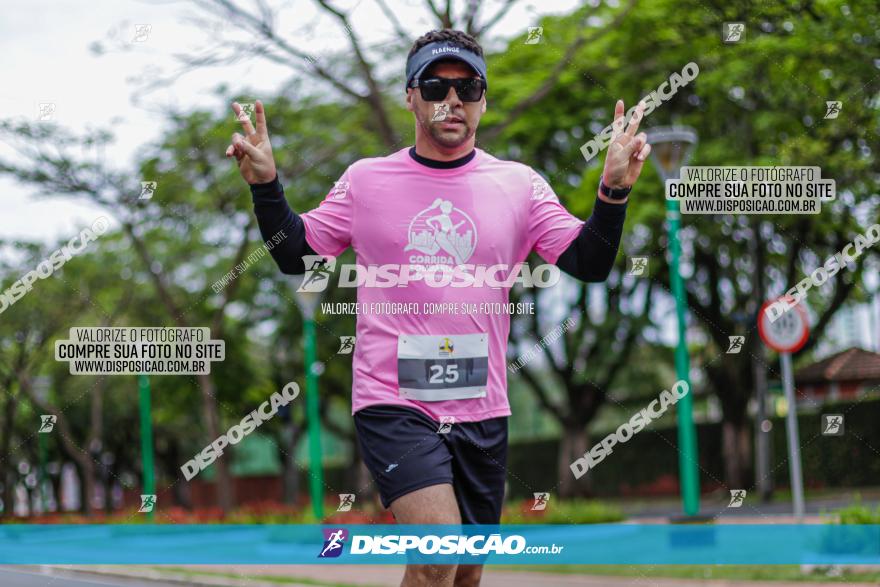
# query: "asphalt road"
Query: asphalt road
55,578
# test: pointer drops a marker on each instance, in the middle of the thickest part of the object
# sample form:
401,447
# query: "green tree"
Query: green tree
759,102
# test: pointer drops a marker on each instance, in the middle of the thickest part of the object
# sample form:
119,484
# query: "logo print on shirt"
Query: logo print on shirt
540,188
442,228
340,189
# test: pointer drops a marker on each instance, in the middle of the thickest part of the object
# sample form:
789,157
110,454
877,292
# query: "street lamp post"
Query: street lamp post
307,302
146,438
671,148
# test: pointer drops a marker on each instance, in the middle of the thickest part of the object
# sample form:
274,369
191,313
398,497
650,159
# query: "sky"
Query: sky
52,63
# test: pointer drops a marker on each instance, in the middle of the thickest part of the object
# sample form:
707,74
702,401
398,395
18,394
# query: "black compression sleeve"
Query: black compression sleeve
273,215
590,256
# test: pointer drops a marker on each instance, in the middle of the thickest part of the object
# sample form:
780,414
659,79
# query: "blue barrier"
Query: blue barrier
509,544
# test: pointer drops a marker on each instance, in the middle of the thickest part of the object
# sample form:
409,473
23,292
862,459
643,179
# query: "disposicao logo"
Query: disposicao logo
334,540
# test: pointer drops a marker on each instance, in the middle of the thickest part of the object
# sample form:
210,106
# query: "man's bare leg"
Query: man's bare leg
430,505
468,575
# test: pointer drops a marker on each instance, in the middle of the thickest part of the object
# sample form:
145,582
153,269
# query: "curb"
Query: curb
169,577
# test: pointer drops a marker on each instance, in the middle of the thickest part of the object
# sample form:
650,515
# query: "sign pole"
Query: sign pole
784,326
794,445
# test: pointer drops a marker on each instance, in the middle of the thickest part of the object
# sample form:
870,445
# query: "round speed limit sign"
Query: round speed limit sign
789,331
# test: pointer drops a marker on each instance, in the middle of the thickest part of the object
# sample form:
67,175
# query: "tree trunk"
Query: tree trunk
7,468
95,443
572,445
64,435
289,473
212,418
736,447
170,459
763,477
87,486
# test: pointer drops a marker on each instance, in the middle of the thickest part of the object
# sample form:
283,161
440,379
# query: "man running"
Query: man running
429,392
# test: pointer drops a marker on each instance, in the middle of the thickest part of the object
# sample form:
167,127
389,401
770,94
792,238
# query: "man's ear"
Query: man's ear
409,99
483,104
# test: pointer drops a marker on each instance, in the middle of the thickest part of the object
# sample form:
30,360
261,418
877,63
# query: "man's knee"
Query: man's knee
468,575
429,575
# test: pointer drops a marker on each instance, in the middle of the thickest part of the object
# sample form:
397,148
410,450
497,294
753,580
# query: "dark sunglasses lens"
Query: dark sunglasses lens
469,90
434,90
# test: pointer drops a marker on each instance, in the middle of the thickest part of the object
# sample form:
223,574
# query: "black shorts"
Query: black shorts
404,451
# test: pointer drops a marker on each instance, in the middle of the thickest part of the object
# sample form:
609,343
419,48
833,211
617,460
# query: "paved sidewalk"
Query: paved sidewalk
389,576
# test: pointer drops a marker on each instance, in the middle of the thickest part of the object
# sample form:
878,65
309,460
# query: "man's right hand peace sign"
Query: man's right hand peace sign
253,152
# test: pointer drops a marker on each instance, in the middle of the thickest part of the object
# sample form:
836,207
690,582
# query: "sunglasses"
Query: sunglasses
435,89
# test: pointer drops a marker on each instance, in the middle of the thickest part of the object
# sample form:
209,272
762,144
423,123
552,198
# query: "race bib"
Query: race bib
438,367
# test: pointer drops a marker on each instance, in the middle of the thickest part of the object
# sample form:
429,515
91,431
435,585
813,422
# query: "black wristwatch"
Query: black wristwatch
613,193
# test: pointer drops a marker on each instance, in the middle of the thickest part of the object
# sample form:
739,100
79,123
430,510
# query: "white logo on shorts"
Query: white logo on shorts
446,423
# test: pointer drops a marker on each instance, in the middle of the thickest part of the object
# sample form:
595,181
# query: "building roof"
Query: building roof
853,364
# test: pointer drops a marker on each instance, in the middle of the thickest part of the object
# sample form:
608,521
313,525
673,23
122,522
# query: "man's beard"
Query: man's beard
447,138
